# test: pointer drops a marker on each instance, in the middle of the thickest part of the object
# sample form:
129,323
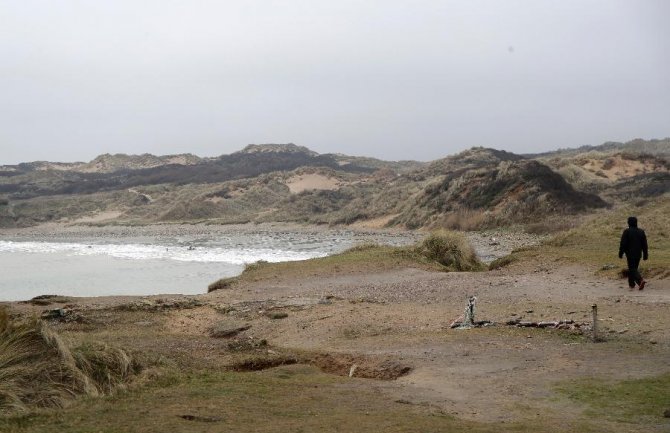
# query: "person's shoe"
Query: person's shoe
642,283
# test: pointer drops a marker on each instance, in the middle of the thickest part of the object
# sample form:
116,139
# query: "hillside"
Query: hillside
474,189
122,172
490,188
660,147
615,175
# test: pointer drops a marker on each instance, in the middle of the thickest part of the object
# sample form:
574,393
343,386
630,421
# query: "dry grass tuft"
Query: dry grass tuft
38,370
4,319
450,249
109,368
223,283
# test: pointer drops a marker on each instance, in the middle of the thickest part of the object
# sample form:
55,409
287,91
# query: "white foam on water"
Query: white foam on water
236,256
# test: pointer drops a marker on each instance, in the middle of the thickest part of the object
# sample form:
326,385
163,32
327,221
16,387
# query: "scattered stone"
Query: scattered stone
63,315
607,267
666,413
277,315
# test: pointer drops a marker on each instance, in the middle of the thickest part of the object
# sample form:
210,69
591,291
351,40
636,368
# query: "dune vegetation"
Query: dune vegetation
442,250
596,242
39,370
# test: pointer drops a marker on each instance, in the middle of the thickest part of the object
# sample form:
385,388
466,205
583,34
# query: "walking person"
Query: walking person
634,246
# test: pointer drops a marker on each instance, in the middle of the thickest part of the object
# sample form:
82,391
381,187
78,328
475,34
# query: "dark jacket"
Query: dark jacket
633,243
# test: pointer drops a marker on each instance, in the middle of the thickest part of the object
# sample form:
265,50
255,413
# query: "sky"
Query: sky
393,79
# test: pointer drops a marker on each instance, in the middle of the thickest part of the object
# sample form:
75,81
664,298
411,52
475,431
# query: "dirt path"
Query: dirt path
485,374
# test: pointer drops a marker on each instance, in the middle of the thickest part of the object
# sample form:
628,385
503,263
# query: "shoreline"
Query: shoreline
489,244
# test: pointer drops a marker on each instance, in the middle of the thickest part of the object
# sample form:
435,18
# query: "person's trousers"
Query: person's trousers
633,273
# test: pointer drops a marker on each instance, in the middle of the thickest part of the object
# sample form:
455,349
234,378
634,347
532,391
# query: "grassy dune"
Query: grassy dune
596,242
441,251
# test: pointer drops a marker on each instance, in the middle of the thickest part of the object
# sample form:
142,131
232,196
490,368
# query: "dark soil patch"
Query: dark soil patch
258,363
360,366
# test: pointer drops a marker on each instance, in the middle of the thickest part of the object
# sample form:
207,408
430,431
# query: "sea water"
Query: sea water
102,266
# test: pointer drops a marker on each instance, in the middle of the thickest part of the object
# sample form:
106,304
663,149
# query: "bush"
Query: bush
450,249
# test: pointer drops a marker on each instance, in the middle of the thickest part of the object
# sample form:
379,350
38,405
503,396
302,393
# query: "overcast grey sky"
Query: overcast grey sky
391,78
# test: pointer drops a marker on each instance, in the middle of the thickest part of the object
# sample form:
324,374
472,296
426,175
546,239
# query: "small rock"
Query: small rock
667,413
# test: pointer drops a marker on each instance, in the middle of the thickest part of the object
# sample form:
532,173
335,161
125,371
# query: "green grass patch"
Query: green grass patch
440,251
637,400
596,242
285,399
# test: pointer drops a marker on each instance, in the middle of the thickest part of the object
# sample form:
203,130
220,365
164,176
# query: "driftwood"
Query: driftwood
476,324
555,324
467,321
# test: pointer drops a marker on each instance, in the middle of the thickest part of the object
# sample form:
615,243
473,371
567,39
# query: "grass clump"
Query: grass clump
223,283
109,368
38,370
503,262
4,319
450,249
441,251
628,401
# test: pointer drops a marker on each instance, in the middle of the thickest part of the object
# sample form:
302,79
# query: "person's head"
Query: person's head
632,222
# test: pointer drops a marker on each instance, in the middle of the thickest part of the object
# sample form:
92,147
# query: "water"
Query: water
146,265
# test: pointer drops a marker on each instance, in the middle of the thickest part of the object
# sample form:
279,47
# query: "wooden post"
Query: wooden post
594,310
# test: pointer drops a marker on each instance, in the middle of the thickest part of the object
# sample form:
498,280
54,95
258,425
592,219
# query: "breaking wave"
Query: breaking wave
207,254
